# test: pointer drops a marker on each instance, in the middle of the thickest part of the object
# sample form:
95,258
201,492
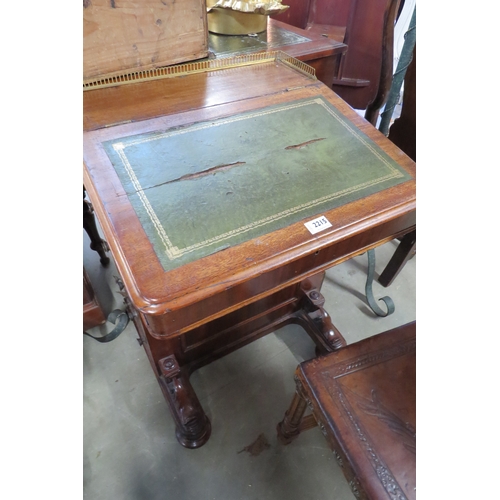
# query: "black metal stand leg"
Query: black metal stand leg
369,291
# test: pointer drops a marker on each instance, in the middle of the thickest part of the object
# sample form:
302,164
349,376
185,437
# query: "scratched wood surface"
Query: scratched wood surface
129,35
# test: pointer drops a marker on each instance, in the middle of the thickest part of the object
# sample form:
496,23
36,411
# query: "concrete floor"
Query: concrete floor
130,449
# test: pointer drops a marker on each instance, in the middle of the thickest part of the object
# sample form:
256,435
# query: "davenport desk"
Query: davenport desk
224,190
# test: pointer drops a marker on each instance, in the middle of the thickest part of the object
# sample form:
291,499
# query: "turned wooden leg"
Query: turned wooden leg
294,421
289,428
89,224
193,426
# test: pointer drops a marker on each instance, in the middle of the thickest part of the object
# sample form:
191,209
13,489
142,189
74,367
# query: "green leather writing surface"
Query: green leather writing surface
270,39
202,188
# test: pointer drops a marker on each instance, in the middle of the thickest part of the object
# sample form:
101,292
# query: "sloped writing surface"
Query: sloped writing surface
201,188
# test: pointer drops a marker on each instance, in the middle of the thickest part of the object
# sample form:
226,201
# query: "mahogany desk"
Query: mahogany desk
319,52
203,182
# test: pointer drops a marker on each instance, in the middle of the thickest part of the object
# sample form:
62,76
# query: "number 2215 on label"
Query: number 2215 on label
317,225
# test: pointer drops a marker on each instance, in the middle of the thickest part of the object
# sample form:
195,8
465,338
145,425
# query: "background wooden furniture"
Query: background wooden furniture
364,399
322,54
364,75
403,133
193,314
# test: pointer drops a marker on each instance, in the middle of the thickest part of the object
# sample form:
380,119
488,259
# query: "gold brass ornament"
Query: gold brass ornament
241,17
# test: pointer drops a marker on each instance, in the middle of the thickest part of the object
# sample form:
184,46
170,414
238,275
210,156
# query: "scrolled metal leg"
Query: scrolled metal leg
369,291
405,251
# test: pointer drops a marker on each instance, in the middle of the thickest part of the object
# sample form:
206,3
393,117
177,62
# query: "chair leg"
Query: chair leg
405,251
289,428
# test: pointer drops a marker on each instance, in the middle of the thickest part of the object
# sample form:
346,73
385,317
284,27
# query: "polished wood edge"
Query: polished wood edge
402,334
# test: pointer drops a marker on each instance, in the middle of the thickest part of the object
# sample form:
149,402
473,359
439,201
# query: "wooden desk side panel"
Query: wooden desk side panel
125,35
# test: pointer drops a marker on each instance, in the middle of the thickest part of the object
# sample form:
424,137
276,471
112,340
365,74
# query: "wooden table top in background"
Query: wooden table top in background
296,42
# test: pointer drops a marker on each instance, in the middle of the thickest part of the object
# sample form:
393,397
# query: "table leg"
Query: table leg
405,251
317,322
89,224
370,298
193,426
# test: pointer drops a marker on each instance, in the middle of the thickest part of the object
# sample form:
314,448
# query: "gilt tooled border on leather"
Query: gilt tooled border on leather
172,251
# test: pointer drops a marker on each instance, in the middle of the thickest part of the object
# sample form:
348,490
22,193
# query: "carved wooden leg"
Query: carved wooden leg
193,426
318,324
289,428
89,224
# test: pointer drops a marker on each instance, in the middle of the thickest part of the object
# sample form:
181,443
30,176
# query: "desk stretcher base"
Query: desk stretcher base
174,359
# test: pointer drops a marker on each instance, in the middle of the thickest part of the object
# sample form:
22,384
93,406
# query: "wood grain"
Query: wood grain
126,35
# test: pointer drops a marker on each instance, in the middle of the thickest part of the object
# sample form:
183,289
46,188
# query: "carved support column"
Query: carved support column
318,323
193,426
